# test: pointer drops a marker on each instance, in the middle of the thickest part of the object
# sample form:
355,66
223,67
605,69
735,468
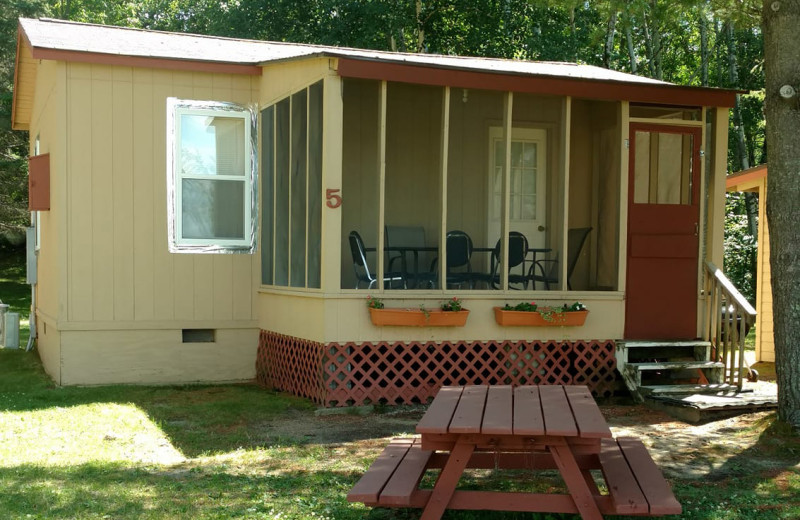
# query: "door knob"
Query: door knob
541,228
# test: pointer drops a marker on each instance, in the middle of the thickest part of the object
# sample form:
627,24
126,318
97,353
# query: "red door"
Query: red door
663,225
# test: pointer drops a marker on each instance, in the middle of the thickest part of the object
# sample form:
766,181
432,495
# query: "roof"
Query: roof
746,180
60,40
49,34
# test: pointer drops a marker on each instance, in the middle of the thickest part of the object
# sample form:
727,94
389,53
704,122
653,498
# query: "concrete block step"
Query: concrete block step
674,365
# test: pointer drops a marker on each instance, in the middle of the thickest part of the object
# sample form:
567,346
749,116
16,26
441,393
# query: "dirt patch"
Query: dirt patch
711,451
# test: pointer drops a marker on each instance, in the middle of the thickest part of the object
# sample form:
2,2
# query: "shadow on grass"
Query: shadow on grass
117,491
198,419
759,482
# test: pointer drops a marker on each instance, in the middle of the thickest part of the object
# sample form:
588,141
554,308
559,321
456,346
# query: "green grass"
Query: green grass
13,289
208,452
220,452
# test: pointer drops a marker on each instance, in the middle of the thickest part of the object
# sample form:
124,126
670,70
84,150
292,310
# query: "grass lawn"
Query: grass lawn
13,289
238,451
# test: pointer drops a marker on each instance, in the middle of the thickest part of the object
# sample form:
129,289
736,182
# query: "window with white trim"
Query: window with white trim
211,176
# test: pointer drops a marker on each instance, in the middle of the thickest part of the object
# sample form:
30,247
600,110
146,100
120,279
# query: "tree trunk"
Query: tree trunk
652,42
420,28
609,47
631,49
703,47
742,155
781,20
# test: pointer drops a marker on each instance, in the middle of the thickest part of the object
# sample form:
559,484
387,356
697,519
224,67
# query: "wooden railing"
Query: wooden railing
728,317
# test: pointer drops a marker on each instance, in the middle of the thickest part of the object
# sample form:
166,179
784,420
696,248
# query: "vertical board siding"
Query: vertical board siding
122,161
46,123
163,284
79,207
119,264
103,211
143,188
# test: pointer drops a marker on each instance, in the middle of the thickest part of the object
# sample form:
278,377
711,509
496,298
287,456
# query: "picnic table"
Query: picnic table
526,427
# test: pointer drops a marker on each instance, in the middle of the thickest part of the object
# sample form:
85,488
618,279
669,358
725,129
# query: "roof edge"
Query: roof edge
22,39
125,60
745,176
662,93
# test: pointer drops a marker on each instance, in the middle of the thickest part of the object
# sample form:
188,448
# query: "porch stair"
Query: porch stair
653,368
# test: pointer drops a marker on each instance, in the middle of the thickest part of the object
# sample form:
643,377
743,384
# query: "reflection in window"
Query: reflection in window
211,176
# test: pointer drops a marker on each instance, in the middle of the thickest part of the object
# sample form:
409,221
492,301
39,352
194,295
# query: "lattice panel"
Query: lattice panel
399,372
290,364
594,365
342,374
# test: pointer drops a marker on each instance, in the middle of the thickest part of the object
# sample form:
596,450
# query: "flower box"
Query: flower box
536,319
418,317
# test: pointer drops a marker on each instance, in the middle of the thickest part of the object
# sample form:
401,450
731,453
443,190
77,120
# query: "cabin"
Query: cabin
210,209
755,180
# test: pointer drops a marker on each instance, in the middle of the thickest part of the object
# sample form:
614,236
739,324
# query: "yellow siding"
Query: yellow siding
156,357
282,79
119,267
765,341
25,88
347,319
48,345
47,123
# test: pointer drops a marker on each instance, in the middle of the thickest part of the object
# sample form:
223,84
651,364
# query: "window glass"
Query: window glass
268,190
213,209
663,168
282,159
360,183
299,185
592,240
292,224
314,246
476,166
212,175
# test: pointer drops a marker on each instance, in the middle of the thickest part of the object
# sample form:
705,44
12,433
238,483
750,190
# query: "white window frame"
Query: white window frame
177,242
37,216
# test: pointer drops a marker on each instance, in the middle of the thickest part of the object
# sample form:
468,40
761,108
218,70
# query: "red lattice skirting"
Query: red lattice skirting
343,374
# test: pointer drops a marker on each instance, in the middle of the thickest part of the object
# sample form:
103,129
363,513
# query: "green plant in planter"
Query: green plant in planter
425,311
453,305
374,303
522,307
548,313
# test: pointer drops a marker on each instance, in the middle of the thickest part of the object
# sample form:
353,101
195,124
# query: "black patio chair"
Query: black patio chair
459,253
517,252
576,237
361,267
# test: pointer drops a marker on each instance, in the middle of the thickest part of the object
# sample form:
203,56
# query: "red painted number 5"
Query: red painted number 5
333,197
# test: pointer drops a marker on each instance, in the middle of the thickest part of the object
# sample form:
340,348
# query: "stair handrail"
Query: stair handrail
728,316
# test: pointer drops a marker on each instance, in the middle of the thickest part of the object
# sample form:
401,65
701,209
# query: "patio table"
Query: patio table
563,421
527,427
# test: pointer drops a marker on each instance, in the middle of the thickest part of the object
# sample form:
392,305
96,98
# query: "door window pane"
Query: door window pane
663,168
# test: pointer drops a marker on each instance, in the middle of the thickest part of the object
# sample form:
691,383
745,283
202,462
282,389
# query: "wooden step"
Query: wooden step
675,365
687,389
651,344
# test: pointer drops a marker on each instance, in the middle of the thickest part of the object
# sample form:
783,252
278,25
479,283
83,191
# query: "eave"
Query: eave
665,94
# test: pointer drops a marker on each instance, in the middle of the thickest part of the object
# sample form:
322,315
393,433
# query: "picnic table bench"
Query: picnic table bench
528,427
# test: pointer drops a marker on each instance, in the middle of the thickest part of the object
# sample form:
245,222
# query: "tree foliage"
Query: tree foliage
691,42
